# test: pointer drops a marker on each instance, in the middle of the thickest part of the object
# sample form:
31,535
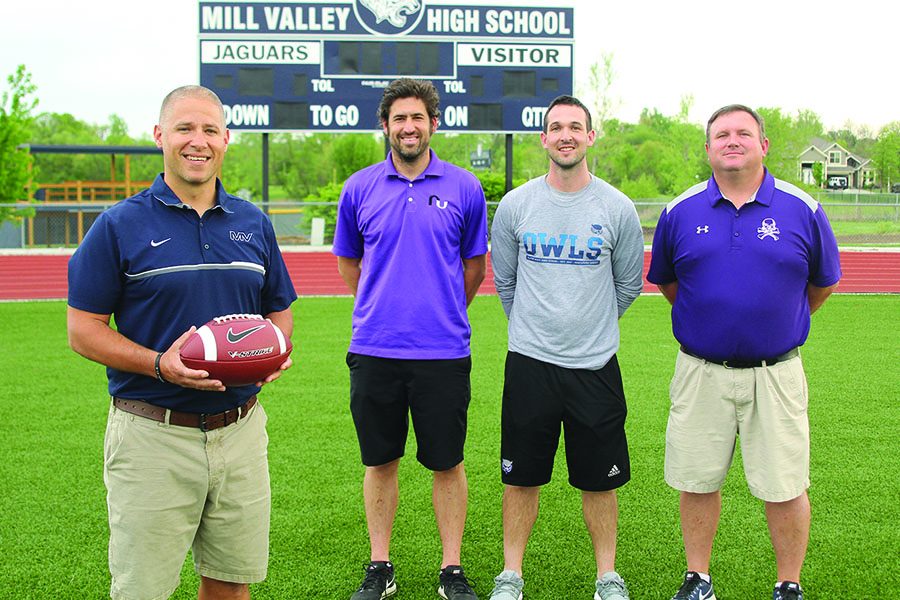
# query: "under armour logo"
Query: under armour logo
441,204
768,229
702,229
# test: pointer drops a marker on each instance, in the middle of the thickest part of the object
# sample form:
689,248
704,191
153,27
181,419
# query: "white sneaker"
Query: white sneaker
507,586
611,587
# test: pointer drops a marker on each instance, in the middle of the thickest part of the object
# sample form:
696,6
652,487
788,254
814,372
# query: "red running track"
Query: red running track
43,276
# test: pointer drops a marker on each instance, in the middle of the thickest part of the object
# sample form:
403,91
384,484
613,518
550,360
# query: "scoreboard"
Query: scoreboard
322,66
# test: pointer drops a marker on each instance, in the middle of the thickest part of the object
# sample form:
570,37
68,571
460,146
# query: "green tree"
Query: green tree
354,151
597,94
788,138
657,156
323,203
242,167
818,171
886,154
302,162
65,129
16,119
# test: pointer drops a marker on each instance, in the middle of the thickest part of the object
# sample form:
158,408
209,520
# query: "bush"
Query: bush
330,192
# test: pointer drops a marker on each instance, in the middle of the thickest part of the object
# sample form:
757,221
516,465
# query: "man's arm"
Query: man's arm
817,295
628,259
474,270
504,256
284,319
91,336
350,270
669,290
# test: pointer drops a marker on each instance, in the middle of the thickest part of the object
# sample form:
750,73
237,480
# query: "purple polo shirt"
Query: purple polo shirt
742,274
412,237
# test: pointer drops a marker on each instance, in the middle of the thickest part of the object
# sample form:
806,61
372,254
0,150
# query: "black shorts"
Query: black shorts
537,398
385,391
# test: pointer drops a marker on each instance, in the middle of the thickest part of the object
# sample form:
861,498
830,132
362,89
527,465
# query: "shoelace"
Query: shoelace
457,582
505,585
376,579
687,588
613,585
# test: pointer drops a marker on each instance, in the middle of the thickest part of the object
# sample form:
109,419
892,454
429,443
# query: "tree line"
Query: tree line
659,156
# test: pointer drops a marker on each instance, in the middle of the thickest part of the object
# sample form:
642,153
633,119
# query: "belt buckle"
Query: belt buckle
203,426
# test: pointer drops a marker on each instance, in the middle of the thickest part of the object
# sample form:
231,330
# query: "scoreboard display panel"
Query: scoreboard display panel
322,66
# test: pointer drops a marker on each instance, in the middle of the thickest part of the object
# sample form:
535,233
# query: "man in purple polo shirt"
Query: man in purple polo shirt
744,259
411,239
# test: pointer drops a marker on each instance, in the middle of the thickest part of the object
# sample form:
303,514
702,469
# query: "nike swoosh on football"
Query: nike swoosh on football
154,243
234,338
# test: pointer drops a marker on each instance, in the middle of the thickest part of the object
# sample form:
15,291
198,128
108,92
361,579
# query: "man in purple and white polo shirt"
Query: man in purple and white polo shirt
744,259
411,239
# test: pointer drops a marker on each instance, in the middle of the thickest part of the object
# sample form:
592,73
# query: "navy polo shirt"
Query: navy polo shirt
158,267
412,237
742,273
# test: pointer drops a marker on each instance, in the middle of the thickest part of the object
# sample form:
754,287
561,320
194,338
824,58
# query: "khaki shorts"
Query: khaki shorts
765,407
172,488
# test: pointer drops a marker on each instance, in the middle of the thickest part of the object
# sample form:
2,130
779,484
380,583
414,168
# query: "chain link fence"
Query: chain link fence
858,219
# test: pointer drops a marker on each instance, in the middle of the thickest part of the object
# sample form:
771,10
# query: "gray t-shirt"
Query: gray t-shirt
566,267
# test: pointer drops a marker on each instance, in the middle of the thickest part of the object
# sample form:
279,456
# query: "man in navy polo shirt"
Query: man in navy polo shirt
185,458
411,239
744,259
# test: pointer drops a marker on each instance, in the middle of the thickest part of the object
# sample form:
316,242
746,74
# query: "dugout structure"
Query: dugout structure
65,211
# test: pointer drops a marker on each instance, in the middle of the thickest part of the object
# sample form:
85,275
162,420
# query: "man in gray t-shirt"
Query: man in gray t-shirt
567,253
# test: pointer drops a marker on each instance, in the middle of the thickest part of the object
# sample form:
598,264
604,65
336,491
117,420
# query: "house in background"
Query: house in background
840,167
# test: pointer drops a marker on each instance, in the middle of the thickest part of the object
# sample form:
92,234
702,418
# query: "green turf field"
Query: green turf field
53,520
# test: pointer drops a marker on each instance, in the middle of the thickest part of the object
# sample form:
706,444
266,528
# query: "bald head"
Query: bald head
189,91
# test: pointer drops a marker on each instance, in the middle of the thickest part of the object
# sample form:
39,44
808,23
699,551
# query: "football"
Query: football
237,349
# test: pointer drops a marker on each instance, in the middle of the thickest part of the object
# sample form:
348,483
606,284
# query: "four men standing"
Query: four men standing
743,258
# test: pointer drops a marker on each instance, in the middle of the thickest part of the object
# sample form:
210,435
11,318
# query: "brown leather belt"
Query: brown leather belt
747,364
205,422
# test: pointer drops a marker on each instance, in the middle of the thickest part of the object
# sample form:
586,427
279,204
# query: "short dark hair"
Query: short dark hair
189,91
405,87
568,101
731,108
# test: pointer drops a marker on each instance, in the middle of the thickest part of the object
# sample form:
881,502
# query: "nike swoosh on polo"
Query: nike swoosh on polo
154,243
234,338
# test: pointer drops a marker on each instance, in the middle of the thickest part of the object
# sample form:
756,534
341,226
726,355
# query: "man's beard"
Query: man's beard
568,163
407,154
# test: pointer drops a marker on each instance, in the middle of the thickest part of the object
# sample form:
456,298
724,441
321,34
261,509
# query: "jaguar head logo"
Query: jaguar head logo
395,12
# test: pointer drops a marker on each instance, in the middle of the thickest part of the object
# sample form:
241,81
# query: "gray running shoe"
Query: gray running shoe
611,587
694,588
507,586
379,582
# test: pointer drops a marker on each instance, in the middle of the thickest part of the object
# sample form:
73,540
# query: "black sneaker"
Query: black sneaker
788,590
454,585
694,588
379,582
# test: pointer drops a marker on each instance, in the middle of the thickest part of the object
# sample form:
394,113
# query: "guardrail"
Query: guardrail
59,223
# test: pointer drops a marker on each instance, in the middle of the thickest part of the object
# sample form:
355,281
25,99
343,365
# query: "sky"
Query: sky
838,59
